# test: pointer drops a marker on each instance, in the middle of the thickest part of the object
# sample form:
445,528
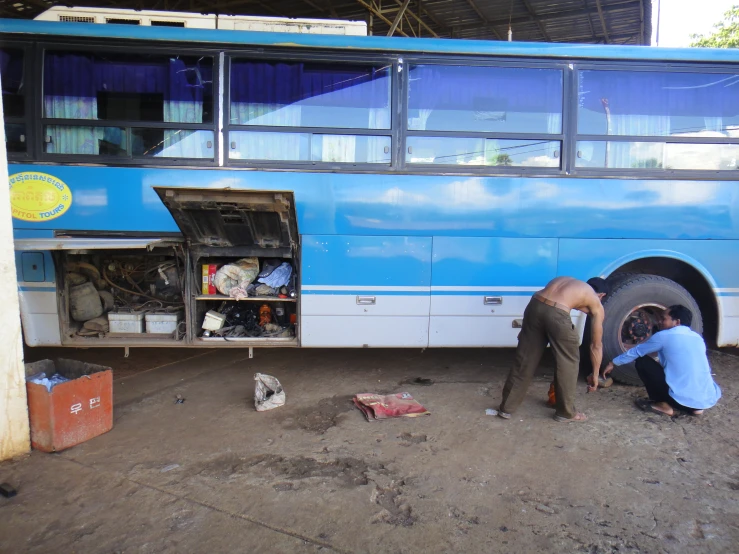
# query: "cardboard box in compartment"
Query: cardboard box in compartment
209,274
72,411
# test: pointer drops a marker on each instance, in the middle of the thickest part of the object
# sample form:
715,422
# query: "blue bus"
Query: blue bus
410,192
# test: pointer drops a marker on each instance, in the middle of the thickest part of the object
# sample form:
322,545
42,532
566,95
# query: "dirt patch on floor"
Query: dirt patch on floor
395,510
409,438
344,472
319,418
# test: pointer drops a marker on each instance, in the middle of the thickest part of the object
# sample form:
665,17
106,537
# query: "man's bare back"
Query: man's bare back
571,293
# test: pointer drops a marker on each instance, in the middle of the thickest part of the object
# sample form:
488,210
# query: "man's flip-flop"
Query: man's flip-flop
504,415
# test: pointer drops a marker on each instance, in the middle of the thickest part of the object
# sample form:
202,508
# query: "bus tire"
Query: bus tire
631,293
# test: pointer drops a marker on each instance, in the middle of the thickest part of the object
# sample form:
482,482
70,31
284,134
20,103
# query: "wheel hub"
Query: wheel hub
640,324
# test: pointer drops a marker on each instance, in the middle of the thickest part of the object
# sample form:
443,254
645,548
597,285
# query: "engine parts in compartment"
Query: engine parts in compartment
247,321
113,293
84,302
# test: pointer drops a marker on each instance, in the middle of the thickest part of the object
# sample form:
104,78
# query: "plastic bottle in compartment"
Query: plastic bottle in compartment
265,315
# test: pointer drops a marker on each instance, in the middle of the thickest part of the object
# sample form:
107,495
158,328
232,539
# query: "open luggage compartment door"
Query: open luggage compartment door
227,229
233,218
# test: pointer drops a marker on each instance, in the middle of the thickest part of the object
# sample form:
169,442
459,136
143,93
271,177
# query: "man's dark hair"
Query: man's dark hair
680,312
600,285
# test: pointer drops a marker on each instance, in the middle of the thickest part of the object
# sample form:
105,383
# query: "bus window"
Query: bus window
73,139
139,88
482,152
172,143
14,102
451,101
485,99
657,155
267,97
309,147
350,149
653,104
296,94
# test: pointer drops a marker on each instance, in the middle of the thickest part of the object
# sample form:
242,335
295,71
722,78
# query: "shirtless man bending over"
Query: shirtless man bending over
547,320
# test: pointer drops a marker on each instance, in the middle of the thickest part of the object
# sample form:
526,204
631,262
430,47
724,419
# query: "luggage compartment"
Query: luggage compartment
243,265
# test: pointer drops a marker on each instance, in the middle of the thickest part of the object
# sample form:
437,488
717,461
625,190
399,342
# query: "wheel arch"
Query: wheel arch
685,271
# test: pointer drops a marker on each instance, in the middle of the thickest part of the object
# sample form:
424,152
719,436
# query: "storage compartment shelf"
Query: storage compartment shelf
248,339
248,299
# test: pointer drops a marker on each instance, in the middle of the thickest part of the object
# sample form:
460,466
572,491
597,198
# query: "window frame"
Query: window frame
646,173
133,48
322,57
28,118
496,62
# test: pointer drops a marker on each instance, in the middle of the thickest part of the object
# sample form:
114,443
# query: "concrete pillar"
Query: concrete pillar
14,429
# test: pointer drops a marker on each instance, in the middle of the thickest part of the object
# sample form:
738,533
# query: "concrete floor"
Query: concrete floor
213,475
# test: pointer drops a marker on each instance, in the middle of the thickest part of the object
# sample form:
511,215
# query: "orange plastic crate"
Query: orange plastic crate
74,411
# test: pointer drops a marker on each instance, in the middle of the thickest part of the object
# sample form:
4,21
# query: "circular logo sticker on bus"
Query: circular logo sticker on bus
38,196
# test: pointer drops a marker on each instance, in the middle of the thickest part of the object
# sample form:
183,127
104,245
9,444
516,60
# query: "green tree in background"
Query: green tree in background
726,34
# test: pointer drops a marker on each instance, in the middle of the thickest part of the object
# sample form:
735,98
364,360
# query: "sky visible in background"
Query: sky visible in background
681,18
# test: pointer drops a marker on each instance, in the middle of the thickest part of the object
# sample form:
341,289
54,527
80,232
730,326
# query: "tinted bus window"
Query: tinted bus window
485,99
283,94
14,102
639,103
11,69
128,87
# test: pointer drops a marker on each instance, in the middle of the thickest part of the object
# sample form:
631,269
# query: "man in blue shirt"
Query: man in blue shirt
681,380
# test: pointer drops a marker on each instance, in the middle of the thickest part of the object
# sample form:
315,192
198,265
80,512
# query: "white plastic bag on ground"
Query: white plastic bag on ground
232,279
268,393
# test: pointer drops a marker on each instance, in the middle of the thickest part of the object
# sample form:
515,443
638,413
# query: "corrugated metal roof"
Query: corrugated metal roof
584,21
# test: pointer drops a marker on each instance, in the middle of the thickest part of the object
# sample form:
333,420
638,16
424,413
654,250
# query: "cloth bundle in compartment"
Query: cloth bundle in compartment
278,277
233,279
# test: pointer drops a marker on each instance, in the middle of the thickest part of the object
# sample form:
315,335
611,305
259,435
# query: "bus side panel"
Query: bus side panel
37,295
715,259
365,291
481,285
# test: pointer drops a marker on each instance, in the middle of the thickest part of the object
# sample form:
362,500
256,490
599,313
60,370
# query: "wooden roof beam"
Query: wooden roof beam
603,20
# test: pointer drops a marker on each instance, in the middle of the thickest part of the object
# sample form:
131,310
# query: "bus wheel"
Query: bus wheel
633,312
